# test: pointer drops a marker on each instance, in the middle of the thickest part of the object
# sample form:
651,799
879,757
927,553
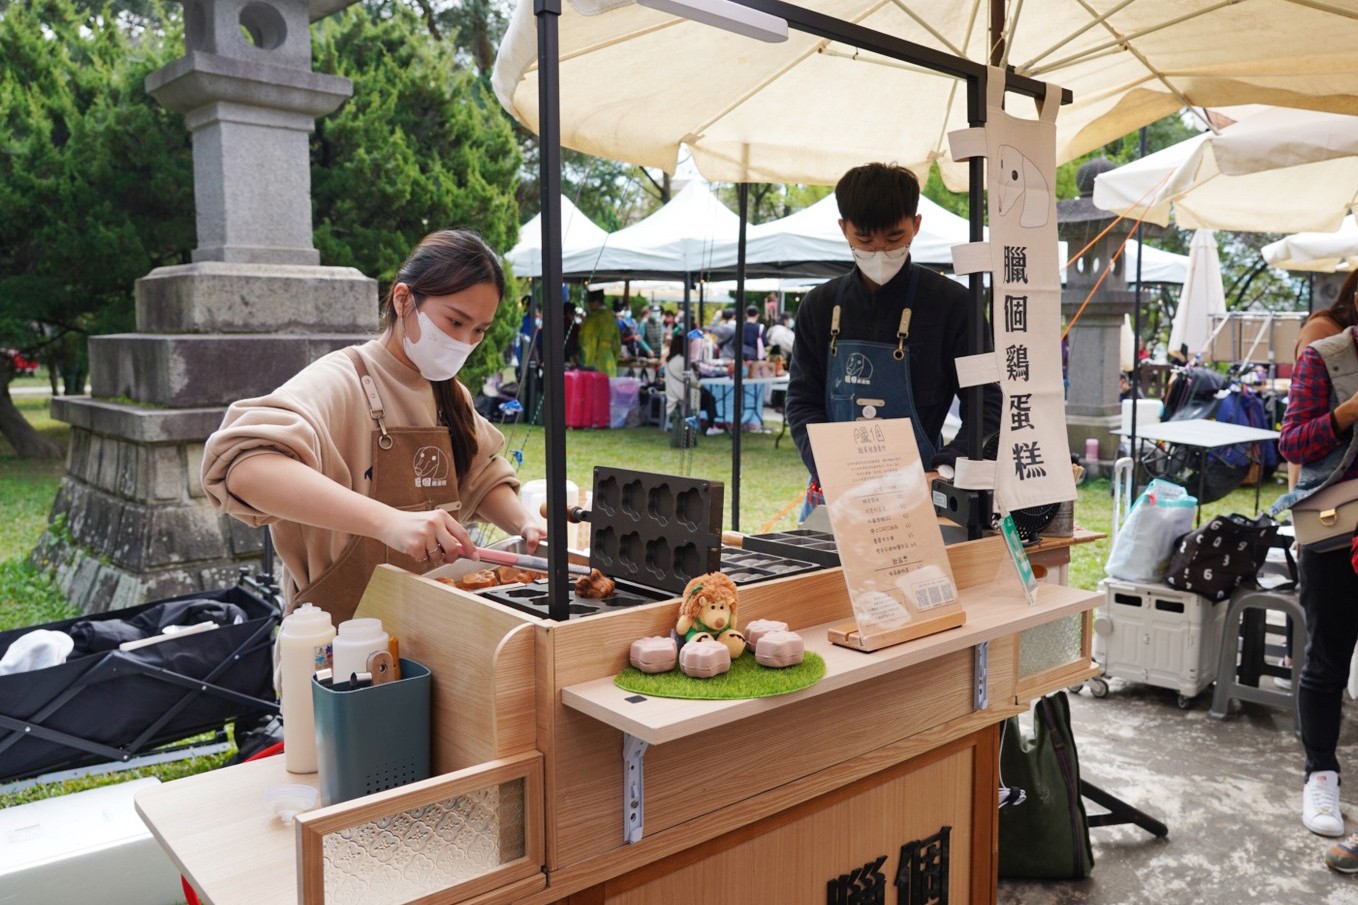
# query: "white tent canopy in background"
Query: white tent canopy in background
1321,252
682,237
1274,170
813,235
1202,296
635,82
577,231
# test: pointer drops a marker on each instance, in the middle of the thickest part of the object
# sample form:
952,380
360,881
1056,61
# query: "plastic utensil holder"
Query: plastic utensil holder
372,738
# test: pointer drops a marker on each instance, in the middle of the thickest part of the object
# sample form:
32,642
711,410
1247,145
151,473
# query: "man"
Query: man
629,332
653,330
600,343
872,361
724,334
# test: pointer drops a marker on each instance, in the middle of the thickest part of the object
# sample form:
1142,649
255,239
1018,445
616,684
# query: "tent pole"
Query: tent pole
738,347
547,13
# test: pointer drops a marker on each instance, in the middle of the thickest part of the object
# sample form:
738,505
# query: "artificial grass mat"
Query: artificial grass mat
746,679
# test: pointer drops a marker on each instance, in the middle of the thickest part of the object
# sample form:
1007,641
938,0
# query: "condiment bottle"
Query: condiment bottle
304,641
357,639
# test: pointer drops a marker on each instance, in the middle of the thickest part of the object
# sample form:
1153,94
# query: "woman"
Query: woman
374,453
1318,435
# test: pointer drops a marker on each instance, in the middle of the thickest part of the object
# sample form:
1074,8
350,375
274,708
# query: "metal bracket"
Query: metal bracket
980,697
633,787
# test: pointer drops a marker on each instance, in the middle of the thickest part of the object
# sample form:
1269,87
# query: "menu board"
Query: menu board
895,566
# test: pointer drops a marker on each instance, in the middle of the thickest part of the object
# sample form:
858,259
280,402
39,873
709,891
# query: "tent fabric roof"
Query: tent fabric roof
577,231
1278,170
1315,251
635,82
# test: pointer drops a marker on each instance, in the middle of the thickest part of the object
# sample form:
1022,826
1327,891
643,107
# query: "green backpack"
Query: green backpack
1046,836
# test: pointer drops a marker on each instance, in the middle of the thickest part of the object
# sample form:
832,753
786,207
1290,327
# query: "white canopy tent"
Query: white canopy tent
577,231
691,234
1320,252
1273,170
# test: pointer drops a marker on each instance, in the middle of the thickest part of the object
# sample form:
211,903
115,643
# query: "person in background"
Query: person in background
600,341
629,333
780,338
752,339
1318,435
1341,314
724,334
374,453
854,346
699,399
528,328
571,353
653,329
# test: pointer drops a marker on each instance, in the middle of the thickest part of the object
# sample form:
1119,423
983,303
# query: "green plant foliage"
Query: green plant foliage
421,146
96,179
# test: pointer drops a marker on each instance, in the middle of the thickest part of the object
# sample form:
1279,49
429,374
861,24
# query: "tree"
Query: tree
95,178
420,146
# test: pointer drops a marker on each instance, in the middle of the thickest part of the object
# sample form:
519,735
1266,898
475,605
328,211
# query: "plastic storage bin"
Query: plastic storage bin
1155,634
372,738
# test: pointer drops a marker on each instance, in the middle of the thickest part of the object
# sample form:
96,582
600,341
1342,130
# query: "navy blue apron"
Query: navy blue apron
867,380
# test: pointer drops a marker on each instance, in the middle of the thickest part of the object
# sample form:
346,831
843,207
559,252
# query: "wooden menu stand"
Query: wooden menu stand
848,635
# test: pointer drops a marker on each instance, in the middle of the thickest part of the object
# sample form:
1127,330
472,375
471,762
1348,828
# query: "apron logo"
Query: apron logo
430,467
858,369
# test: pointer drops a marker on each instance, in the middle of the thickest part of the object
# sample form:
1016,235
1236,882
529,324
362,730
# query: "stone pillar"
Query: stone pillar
130,522
1092,405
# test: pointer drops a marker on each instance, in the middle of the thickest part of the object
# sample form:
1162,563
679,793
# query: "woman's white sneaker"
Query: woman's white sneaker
1320,804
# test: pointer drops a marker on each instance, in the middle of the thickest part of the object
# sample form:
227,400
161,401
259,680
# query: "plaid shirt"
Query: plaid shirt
1308,430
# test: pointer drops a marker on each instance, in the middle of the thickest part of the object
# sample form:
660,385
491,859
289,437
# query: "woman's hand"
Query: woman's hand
532,536
428,535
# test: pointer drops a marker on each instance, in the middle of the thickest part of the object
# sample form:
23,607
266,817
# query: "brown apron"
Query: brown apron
413,470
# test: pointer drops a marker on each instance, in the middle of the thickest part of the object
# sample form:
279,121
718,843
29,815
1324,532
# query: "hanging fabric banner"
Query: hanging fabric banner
1023,259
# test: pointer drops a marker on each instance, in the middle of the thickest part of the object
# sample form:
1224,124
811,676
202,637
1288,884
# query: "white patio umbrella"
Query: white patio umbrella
1320,252
1203,295
636,82
577,231
1278,170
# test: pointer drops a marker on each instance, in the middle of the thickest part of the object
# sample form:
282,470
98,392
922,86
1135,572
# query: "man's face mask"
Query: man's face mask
881,266
437,355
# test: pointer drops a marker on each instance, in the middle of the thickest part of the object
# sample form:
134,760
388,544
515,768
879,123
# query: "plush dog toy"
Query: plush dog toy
708,612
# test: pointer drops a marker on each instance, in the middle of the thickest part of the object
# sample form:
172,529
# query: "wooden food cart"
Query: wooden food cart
551,784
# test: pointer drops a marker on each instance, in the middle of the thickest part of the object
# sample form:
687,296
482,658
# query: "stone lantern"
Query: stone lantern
252,308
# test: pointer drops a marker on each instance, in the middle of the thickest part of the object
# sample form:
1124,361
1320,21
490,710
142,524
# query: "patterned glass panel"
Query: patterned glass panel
400,857
1053,644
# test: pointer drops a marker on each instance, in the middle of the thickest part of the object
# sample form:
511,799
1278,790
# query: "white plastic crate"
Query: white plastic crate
1155,634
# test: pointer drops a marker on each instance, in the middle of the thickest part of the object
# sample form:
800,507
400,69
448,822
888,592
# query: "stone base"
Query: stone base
1080,428
193,370
221,297
131,523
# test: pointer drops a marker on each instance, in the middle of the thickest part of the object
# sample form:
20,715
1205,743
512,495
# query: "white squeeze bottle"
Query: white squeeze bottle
357,639
303,647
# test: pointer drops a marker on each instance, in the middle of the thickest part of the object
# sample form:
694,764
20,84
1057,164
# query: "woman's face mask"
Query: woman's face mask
881,266
436,354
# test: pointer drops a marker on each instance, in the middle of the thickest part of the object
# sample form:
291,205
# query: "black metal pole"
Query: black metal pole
554,338
976,117
738,346
1136,332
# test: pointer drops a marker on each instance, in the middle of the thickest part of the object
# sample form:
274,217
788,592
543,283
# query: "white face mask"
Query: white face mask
437,355
881,266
